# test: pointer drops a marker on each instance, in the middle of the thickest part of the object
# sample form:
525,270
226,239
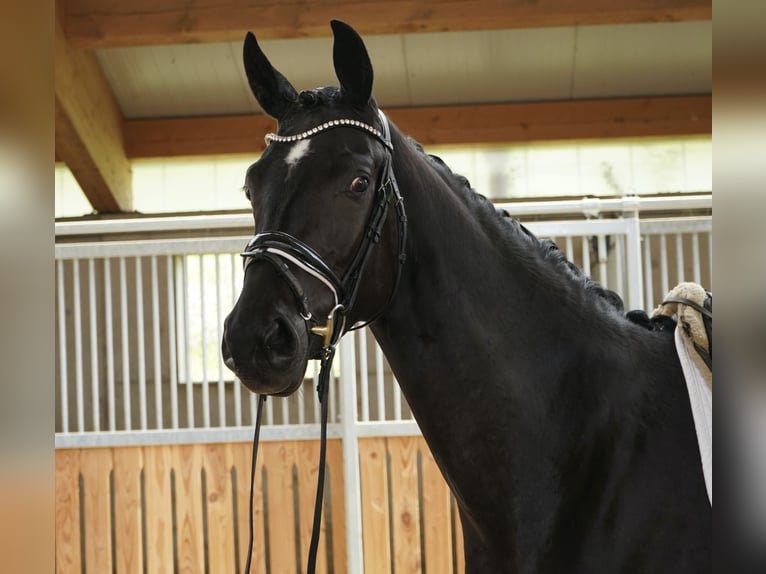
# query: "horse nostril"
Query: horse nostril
280,340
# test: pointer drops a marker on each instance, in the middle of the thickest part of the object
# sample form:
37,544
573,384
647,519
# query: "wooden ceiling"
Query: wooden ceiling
99,131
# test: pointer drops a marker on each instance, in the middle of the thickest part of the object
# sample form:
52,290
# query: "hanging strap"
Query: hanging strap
256,433
322,391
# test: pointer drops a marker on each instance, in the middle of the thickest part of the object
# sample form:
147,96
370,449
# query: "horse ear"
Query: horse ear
352,64
272,90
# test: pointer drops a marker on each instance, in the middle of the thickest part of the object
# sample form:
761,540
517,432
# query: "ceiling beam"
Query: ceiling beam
445,125
97,24
89,129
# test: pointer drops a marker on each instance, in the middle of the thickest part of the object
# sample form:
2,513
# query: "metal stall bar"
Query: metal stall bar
203,339
664,280
94,375
601,260
380,382
219,334
156,345
188,387
648,279
79,392
363,379
172,365
127,423
635,298
696,270
586,256
63,366
109,333
237,384
680,274
141,351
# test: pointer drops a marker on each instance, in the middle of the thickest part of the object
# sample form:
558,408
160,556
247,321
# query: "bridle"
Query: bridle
279,248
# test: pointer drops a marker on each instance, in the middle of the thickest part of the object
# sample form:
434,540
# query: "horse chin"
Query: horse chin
280,384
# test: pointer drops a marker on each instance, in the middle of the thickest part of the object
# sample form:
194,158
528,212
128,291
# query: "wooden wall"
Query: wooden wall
184,508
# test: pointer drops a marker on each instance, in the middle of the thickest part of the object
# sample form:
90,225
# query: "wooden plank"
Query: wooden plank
172,137
220,522
187,466
68,556
95,24
89,128
338,504
242,453
159,509
308,469
446,125
278,458
458,529
96,465
554,121
437,522
405,507
127,509
376,541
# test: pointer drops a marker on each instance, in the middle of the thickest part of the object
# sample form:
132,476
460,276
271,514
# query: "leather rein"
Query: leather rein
279,249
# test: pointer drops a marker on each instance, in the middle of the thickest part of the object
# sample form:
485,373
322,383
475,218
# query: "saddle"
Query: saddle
692,306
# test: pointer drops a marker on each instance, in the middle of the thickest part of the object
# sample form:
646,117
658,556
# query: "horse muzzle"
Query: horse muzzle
268,352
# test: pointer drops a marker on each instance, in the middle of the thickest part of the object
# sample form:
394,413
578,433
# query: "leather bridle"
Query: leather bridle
281,249
278,247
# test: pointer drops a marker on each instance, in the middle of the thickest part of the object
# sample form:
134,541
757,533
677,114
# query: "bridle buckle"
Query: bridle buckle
327,331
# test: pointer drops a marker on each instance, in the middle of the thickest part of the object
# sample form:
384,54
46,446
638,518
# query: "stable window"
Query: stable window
206,288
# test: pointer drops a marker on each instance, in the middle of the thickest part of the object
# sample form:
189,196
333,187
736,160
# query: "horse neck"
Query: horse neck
484,344
467,281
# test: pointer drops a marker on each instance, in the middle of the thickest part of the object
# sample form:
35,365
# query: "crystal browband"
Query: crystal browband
326,126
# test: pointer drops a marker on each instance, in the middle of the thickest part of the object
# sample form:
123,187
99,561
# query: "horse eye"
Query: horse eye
359,184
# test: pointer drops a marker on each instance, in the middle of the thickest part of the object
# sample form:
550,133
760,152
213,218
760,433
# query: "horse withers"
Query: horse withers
562,428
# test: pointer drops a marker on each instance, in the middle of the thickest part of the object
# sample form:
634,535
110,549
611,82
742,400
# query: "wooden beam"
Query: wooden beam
89,129
445,125
98,24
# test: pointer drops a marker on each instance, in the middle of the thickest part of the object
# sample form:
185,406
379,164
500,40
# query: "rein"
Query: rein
278,248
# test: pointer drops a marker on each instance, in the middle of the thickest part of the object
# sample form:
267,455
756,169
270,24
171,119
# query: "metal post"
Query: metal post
664,281
648,278
172,341
351,478
364,383
64,378
633,256
156,345
94,374
78,346
141,351
109,333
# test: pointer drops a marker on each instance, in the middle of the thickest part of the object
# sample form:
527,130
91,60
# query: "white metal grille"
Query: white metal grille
139,325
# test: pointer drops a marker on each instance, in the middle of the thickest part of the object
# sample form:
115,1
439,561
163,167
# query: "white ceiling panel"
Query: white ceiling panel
643,60
389,63
427,69
497,66
176,80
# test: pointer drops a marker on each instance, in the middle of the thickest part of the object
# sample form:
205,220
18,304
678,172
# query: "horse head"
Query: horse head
319,195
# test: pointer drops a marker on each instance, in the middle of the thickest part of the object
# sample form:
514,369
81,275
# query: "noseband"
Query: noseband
279,248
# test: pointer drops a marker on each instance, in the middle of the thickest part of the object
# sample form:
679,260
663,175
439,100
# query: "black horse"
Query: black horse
562,428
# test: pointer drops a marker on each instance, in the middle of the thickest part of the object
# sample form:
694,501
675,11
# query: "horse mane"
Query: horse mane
508,226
